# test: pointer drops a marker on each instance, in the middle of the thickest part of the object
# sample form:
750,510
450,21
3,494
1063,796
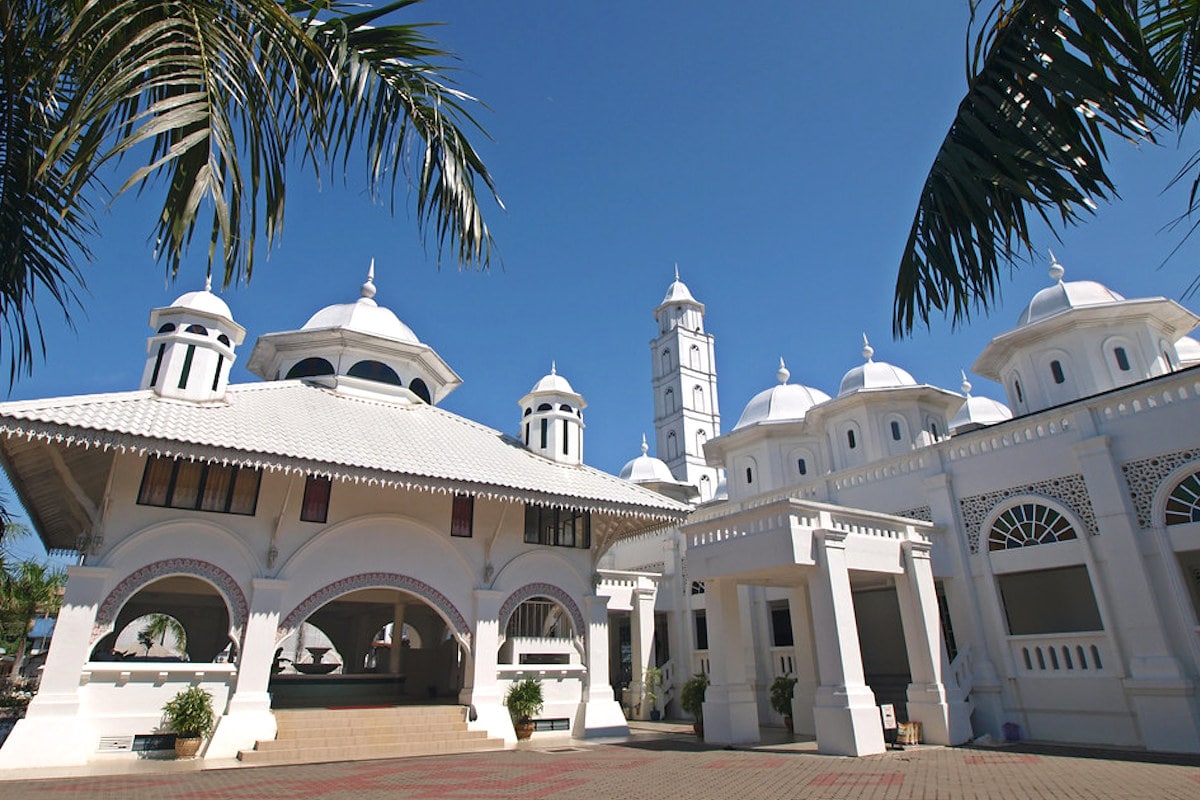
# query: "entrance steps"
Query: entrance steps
313,735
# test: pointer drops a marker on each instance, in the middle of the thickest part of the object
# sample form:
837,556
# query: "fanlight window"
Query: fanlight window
1183,505
1028,524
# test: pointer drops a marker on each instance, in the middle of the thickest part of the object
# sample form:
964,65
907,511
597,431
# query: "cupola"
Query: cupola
679,309
873,374
654,474
977,412
552,419
785,402
359,347
192,349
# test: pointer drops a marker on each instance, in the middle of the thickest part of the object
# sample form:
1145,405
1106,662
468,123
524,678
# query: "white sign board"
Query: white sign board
888,712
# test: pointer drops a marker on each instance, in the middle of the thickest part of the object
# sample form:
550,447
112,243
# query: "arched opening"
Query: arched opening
176,618
539,631
418,387
309,368
375,371
344,653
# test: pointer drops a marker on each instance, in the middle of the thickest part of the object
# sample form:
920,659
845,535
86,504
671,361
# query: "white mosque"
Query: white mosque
1030,569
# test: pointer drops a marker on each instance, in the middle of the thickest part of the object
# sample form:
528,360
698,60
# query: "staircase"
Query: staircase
313,735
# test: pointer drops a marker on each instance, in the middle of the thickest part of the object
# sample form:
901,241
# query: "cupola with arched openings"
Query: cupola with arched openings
552,419
192,349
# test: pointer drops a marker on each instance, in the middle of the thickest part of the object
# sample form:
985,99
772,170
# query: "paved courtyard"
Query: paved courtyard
656,765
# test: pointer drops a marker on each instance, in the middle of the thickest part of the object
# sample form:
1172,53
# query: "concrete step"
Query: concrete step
315,718
365,740
343,753
321,732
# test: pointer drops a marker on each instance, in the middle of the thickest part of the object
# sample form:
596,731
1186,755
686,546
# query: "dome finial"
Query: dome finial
676,270
1056,269
783,373
966,384
368,288
553,367
867,351
208,282
645,447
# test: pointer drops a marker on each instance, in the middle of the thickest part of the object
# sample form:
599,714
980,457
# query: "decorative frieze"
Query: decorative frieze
1070,490
1145,475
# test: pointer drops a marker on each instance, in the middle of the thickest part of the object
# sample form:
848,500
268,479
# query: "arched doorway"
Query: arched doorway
175,618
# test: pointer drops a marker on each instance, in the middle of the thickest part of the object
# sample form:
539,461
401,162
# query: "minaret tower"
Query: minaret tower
684,378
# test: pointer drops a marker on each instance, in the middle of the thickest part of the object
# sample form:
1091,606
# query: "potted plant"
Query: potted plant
781,698
524,701
652,682
190,715
691,699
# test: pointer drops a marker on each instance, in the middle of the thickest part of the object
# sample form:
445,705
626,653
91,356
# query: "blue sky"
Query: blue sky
774,150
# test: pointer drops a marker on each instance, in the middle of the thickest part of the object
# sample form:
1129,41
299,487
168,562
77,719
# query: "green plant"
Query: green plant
781,694
691,698
652,681
190,713
524,699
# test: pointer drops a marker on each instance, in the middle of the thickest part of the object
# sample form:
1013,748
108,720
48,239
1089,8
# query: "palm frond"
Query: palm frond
1049,81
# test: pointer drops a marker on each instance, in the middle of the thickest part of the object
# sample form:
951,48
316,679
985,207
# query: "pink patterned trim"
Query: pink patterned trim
542,590
375,580
221,580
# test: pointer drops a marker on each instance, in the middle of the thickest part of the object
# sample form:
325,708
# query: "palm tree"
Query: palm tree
1050,83
29,589
212,100
159,626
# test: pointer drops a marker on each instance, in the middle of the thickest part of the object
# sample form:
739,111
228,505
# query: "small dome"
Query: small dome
1065,296
553,383
646,469
1188,350
204,301
364,316
978,411
874,374
678,292
783,403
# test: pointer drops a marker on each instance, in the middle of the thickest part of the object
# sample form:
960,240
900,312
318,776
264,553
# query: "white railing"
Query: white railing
783,661
667,691
700,662
528,650
1077,655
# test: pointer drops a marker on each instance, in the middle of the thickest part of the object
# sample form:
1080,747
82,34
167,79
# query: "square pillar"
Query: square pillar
54,715
730,707
804,694
845,716
599,714
481,689
944,719
641,637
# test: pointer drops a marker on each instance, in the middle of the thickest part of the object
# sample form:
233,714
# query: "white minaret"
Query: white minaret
552,419
189,355
684,379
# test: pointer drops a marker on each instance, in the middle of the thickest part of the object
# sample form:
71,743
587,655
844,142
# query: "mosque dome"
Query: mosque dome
787,402
646,469
1188,350
364,316
204,301
553,383
977,412
1063,296
874,374
678,292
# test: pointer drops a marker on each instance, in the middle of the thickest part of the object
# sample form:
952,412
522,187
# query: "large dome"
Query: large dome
646,468
787,402
1063,296
364,316
874,375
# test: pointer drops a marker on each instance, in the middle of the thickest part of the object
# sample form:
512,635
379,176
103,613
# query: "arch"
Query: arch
1028,522
377,580
701,440
309,368
220,580
545,407
374,371
667,365
196,329
1182,505
223,339
669,401
418,387
698,397
166,327
532,590
694,357
672,445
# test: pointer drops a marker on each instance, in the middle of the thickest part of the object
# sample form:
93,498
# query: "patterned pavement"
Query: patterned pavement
650,767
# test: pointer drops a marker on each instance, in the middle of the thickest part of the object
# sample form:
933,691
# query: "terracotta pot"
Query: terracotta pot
187,748
524,730
698,729
787,723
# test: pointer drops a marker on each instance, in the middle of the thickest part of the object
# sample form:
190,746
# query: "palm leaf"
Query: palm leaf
1048,82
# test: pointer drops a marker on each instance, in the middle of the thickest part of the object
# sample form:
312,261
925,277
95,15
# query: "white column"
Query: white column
481,689
944,719
396,650
845,715
248,718
730,709
641,636
804,694
54,732
599,714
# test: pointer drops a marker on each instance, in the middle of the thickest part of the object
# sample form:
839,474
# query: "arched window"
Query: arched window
701,439
698,398
223,339
528,411
1183,504
672,445
694,356
802,466
375,371
851,441
545,407
1029,524
1122,359
666,361
749,474
566,436
545,431
669,401
418,387
1056,371
167,327
933,428
1017,390
198,329
895,426
310,367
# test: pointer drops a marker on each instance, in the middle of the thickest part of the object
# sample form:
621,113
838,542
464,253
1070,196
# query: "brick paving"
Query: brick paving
651,767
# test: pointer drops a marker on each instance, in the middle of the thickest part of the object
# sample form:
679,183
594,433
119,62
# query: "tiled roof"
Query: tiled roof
294,425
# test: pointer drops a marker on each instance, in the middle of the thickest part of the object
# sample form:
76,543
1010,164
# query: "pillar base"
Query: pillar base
730,715
48,741
248,720
1165,715
847,722
944,720
600,716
